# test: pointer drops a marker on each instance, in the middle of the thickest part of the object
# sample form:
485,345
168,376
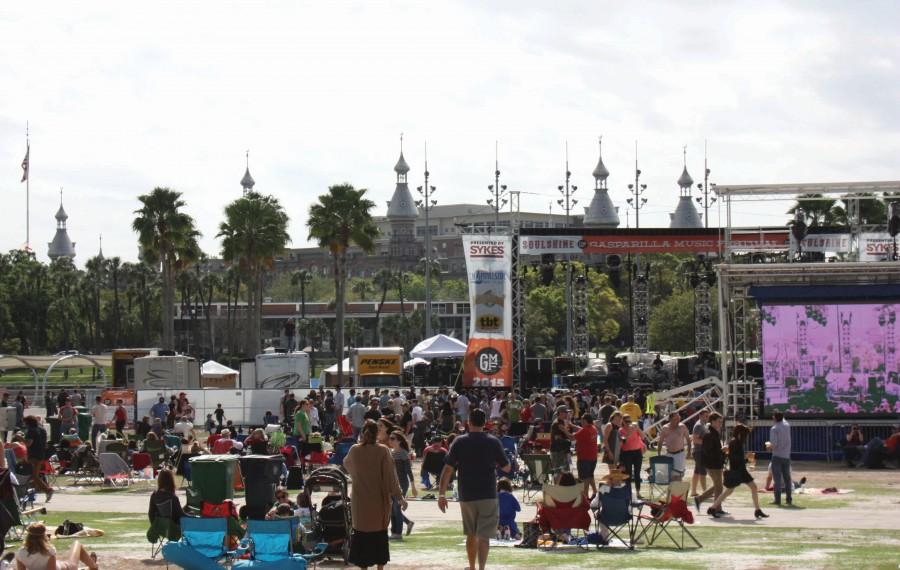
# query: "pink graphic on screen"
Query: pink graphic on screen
831,359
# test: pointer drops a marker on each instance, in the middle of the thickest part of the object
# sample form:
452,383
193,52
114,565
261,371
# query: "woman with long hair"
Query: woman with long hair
632,455
375,485
612,442
164,501
403,464
38,554
737,473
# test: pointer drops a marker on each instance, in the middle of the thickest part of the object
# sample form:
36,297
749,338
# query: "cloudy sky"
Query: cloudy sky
122,97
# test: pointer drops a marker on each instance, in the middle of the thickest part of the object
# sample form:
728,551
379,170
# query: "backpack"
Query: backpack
68,528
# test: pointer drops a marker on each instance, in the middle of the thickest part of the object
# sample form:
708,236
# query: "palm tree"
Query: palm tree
302,278
167,237
253,233
383,281
207,286
342,218
362,288
352,329
818,210
401,280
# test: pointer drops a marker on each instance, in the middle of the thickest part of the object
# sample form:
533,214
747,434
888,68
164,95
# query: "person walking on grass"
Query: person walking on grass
675,438
476,456
714,461
632,455
375,486
780,440
737,473
36,440
586,453
697,434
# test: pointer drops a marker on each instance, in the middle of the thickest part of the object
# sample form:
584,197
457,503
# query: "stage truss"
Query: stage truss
739,330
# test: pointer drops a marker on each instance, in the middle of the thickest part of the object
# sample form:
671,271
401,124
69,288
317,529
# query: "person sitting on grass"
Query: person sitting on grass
38,554
509,506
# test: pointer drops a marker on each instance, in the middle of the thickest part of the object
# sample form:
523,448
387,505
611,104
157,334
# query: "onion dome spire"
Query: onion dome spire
247,182
600,172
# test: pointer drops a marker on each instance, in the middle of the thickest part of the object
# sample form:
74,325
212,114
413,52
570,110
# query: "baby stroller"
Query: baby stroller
85,465
14,519
330,517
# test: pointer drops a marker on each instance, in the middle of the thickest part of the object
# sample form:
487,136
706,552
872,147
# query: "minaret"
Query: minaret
601,213
685,215
61,246
402,215
247,181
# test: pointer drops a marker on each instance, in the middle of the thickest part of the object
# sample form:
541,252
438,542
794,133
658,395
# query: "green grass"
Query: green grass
722,548
23,377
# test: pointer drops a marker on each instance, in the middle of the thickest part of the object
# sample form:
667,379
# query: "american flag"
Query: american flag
25,164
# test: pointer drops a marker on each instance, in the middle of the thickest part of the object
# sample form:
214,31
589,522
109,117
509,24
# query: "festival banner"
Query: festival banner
657,242
488,360
875,246
824,243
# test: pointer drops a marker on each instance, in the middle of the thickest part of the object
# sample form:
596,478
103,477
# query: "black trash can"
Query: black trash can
261,476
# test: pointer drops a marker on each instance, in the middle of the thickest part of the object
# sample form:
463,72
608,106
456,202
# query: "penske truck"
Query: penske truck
377,367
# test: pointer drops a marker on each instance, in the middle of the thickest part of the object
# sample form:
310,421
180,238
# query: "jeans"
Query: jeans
631,462
397,516
781,476
96,429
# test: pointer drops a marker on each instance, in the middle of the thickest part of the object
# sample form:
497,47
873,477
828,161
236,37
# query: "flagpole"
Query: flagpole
27,191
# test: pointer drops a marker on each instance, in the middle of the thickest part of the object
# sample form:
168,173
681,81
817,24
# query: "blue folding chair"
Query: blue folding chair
270,544
202,544
341,449
662,468
510,445
615,515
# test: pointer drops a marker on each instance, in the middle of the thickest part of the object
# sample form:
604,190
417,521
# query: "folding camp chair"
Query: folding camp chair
341,449
271,542
158,453
114,469
202,544
563,510
660,477
510,444
538,465
663,515
615,516
163,529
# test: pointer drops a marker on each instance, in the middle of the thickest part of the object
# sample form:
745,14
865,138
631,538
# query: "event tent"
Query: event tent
439,346
215,375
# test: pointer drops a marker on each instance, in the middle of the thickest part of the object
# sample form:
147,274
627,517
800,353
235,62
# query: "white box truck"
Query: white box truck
283,371
166,373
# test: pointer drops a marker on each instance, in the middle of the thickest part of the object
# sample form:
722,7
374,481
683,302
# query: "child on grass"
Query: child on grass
509,506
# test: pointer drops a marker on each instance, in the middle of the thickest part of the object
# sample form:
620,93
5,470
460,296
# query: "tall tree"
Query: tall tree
208,284
342,218
253,233
362,288
382,280
168,238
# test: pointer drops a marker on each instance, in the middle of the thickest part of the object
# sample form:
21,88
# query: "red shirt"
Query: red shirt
586,443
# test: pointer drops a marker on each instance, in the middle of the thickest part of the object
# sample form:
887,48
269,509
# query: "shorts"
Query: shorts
480,518
678,460
699,468
586,469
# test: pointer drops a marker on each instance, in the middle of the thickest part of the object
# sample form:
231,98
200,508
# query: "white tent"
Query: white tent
439,346
215,375
414,362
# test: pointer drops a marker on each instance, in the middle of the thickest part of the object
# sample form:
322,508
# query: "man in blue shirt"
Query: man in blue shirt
476,456
160,410
780,440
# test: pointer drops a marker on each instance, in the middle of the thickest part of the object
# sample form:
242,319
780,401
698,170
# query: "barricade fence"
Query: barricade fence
242,407
817,439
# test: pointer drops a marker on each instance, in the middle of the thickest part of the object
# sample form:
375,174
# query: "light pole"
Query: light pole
427,204
637,284
705,201
499,190
567,203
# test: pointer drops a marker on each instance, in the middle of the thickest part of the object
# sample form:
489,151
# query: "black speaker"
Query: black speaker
684,370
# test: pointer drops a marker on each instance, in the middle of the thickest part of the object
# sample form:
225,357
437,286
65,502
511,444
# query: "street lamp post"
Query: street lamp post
637,311
499,190
705,201
568,203
427,203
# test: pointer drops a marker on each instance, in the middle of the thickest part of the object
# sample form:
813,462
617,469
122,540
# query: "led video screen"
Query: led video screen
831,359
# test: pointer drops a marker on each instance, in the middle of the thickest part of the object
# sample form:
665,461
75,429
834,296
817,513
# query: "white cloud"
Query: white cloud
122,98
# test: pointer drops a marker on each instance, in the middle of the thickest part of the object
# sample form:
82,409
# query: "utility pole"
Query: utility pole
427,203
638,291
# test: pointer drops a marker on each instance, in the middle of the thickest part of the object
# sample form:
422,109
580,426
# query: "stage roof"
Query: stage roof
806,188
